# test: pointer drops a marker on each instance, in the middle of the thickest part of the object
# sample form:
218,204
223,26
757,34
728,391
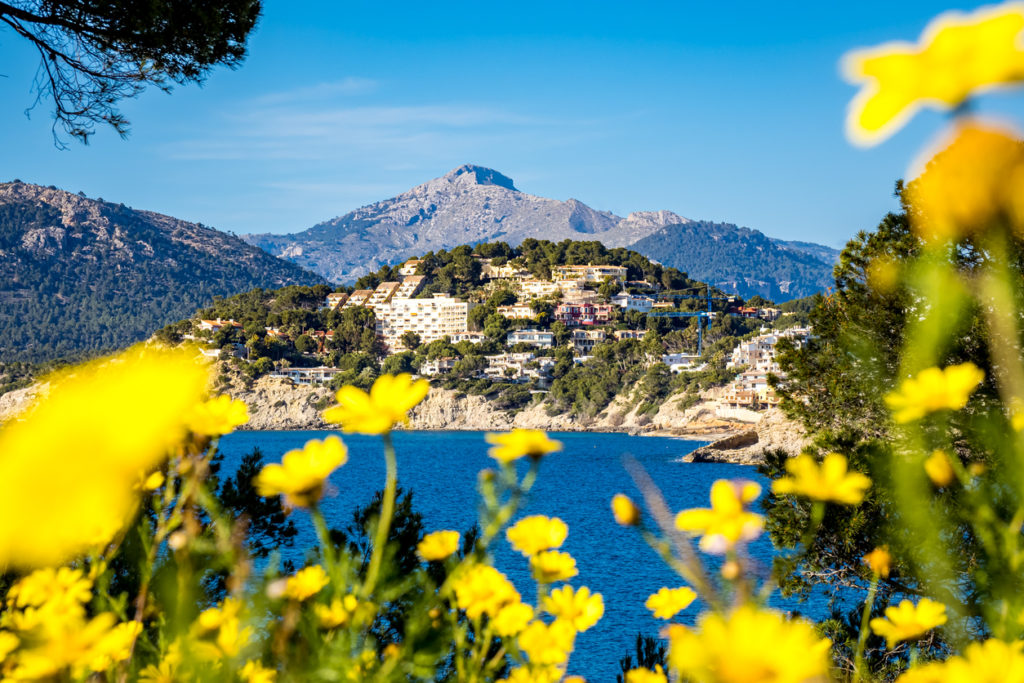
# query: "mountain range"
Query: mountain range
473,204
80,275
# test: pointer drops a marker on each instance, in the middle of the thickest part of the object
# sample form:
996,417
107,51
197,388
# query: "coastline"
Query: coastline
277,405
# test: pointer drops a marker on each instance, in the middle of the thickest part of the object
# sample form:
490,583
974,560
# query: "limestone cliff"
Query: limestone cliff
277,404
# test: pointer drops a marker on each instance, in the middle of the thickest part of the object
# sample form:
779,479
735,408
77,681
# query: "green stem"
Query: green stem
324,536
862,638
387,510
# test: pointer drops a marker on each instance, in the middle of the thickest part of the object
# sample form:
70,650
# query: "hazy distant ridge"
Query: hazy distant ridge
472,204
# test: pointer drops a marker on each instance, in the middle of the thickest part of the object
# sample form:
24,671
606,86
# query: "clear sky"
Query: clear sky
720,111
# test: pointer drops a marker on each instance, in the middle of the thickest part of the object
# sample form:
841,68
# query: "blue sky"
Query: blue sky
720,111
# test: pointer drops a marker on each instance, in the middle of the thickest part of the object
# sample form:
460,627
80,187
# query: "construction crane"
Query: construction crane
703,317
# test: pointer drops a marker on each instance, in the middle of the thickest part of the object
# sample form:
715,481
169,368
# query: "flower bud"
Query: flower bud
625,510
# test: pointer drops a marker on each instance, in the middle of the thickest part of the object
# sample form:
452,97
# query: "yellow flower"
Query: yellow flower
482,589
115,646
306,583
530,535
939,470
218,632
438,545
908,621
338,613
975,179
300,476
547,644
625,510
880,561
538,674
668,602
727,522
71,465
748,645
831,481
512,619
254,672
552,565
580,608
61,590
153,481
957,54
646,675
993,661
220,415
521,442
8,644
167,670
934,389
390,399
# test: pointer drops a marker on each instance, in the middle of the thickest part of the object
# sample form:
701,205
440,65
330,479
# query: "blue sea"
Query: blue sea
576,485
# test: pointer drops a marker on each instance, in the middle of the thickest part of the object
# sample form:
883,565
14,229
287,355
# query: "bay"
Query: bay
576,485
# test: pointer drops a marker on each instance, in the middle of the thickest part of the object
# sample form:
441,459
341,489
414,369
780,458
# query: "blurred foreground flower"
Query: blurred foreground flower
880,561
70,466
625,511
387,404
646,675
908,621
958,54
531,535
552,565
976,179
668,602
306,583
301,475
830,481
521,442
938,469
934,389
993,661
482,589
726,522
748,644
218,416
547,644
438,545
580,608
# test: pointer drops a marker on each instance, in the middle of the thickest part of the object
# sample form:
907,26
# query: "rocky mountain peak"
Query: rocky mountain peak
478,175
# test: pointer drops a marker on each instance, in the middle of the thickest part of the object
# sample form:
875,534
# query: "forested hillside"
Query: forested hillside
740,260
78,276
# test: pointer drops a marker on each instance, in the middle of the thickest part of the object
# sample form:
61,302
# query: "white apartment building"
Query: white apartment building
539,338
584,341
410,285
629,334
358,298
471,337
410,266
384,293
517,367
589,273
680,362
431,319
535,289
307,376
438,366
633,302
516,311
335,299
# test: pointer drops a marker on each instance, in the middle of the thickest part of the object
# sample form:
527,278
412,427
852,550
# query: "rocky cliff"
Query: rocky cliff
278,404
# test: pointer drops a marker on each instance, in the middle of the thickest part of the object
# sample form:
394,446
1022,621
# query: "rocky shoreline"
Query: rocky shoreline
277,404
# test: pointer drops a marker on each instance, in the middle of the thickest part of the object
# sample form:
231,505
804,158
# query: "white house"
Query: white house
633,302
539,338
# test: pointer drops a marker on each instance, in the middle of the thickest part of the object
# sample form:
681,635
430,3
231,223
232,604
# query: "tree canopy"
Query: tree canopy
95,53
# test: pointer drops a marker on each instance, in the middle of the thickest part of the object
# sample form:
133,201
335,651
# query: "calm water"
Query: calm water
576,485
